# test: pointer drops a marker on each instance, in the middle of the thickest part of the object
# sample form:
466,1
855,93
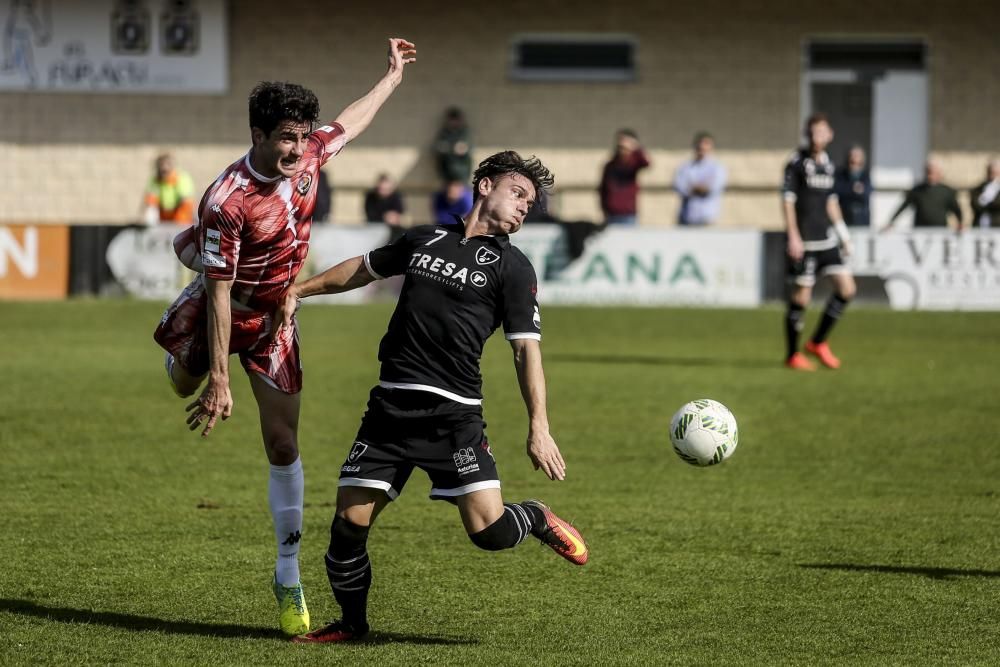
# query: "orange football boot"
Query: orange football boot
798,362
822,352
560,536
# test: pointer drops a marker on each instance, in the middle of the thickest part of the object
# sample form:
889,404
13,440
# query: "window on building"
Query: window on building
573,57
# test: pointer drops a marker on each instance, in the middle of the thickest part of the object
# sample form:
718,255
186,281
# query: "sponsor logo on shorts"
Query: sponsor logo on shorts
357,451
536,319
213,240
350,469
466,461
213,260
478,278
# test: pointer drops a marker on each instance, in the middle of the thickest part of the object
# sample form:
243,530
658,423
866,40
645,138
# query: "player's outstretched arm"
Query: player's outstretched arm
216,400
542,449
349,274
356,117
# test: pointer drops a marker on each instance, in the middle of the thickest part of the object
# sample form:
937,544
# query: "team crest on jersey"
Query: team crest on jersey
357,451
303,185
485,256
478,279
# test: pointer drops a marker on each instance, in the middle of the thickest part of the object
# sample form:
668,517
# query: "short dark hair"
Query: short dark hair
272,102
509,162
628,132
701,136
814,118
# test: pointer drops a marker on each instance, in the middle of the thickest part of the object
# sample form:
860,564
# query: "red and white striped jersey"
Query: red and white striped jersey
255,230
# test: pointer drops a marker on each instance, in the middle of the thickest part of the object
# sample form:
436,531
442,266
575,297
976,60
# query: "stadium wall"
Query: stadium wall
732,68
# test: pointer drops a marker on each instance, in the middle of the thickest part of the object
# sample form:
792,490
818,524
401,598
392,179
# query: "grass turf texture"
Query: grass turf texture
855,524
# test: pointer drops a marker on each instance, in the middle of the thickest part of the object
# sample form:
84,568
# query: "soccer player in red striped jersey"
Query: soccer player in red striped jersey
248,245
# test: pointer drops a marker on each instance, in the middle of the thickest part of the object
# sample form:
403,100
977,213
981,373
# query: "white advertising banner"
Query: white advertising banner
698,267
142,259
114,46
932,269
330,245
619,266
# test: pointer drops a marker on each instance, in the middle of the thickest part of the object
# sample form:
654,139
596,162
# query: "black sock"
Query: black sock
350,570
834,309
793,326
515,524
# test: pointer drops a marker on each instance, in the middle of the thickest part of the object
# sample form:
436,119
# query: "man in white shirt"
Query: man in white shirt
700,183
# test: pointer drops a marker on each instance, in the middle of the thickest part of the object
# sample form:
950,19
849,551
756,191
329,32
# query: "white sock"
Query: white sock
285,491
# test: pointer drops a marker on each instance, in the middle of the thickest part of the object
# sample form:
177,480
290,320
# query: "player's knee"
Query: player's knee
800,297
183,384
346,537
847,292
497,536
282,450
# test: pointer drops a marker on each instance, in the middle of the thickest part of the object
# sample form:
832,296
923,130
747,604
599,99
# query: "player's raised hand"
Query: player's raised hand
544,453
215,401
401,53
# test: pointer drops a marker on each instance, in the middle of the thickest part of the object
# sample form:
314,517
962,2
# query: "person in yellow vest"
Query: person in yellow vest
169,195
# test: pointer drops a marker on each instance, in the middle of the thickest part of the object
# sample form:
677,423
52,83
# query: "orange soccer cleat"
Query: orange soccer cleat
822,352
560,536
798,362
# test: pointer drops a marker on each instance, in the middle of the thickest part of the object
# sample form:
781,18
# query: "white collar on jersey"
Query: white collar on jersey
260,177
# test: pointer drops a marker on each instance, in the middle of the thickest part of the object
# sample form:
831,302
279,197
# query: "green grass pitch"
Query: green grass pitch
857,523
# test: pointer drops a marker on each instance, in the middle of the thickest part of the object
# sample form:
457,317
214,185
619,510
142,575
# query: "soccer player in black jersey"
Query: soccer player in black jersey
462,281
818,241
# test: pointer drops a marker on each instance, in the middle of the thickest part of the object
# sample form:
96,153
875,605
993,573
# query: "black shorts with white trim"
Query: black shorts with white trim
815,263
406,428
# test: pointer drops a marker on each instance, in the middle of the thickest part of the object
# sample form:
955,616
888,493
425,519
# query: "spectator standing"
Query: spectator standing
453,148
384,205
853,185
700,182
986,197
454,199
932,200
170,194
619,187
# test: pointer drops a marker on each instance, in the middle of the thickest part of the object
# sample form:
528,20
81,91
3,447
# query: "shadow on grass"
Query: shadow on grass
651,360
132,622
376,637
932,572
150,624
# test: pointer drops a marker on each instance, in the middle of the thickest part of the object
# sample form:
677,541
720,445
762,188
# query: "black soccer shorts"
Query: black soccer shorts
404,428
815,263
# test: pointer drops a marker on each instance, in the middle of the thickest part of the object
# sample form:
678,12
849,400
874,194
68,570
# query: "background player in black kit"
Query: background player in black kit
463,281
816,236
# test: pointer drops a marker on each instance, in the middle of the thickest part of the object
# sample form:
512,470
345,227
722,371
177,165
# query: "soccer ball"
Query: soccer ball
703,432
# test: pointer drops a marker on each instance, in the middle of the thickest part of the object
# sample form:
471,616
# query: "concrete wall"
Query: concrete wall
730,67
